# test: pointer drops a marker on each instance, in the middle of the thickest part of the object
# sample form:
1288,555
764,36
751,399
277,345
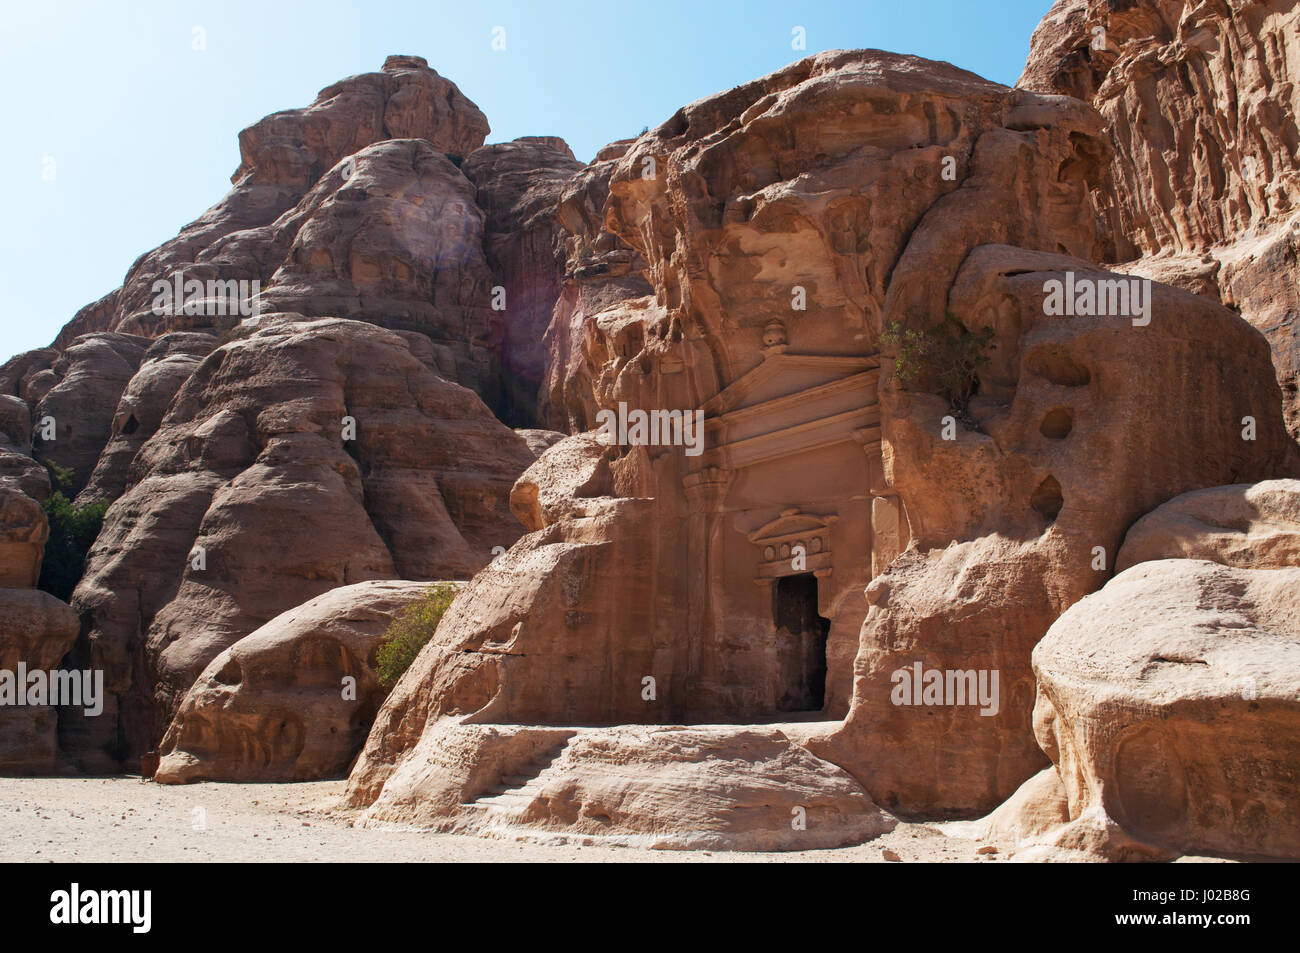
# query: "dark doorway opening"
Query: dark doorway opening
800,644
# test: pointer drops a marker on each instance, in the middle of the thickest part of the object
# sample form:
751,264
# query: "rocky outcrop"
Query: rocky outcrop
602,273
166,365
282,157
784,226
17,468
23,532
1168,705
293,700
518,186
91,376
307,456
36,631
391,236
29,375
1201,100
984,583
664,788
1247,526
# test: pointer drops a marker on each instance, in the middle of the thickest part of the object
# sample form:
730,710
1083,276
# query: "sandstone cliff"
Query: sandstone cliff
1201,100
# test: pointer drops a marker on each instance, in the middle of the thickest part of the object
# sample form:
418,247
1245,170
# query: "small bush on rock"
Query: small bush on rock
944,359
408,633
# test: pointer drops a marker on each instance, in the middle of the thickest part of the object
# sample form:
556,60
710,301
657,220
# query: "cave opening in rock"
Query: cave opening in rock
801,644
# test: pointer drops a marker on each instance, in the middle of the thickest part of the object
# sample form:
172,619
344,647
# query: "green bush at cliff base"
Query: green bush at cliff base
409,631
72,531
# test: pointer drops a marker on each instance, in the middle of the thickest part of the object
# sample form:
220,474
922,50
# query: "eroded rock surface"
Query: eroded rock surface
783,226
1168,704
282,157
36,631
90,377
704,788
23,533
166,365
518,187
1201,100
1248,526
293,700
307,456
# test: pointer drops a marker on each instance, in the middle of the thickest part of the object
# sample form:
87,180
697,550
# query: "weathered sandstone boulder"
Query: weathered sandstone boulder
293,700
36,631
166,365
20,471
1249,526
28,375
1202,101
91,375
1169,703
17,468
703,788
306,456
23,532
518,186
15,423
539,441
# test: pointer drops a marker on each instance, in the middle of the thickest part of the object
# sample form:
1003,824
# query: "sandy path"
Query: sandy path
126,819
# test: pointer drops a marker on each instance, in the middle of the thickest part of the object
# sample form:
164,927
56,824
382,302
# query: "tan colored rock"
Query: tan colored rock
1037,807
15,423
166,365
393,236
986,579
282,157
601,273
1204,189
519,184
1248,526
539,441
276,705
92,374
23,532
251,472
646,561
1168,704
22,375
702,788
20,471
36,631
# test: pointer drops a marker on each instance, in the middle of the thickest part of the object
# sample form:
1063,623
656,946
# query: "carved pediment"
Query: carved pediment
781,375
791,404
793,543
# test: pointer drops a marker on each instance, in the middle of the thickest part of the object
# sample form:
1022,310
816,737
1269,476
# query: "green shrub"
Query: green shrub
409,631
72,531
60,477
945,359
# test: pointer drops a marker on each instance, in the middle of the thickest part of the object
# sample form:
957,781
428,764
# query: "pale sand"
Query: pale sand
126,819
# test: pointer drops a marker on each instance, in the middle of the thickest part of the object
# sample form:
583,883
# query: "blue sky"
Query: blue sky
138,128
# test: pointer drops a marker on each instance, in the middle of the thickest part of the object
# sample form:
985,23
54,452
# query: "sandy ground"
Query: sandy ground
126,819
